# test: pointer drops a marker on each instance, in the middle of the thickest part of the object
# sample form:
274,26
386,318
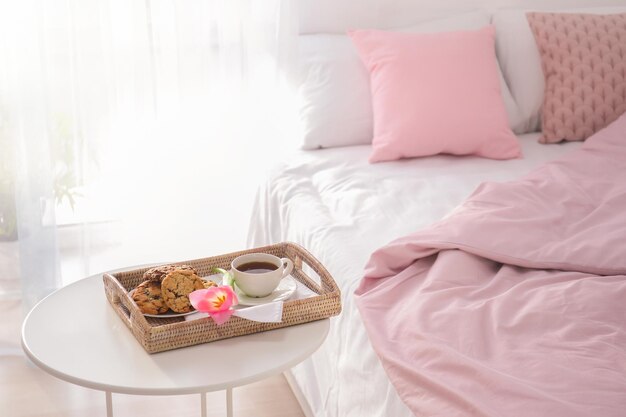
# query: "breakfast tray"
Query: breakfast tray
161,334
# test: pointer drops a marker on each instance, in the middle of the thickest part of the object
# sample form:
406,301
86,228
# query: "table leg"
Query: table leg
229,402
203,404
109,401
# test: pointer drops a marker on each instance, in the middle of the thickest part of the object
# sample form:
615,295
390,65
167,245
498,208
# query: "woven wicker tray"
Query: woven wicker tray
161,334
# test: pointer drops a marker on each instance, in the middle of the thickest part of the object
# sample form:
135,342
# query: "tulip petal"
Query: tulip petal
222,316
216,301
199,300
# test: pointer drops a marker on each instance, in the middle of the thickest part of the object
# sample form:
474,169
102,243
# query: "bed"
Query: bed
342,209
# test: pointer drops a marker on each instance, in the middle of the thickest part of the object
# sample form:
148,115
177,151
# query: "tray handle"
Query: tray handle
302,255
120,300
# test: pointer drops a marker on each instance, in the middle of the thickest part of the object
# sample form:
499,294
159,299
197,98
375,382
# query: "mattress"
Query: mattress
341,208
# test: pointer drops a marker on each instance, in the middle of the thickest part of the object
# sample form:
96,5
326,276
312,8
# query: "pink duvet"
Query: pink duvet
514,305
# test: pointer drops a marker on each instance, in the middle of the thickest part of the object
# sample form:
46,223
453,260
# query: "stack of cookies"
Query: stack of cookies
167,287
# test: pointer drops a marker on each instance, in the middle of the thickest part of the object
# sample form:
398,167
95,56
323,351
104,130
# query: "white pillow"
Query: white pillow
336,105
521,64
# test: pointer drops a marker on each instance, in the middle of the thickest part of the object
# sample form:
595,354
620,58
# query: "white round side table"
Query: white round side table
75,335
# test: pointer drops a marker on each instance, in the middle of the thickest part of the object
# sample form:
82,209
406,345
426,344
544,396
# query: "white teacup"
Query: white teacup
258,274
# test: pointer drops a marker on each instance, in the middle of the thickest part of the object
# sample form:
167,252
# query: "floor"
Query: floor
27,391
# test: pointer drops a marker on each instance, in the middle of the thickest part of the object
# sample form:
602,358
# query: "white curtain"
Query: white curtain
136,131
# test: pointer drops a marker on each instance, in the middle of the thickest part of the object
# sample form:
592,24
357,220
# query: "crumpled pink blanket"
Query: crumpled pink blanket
515,304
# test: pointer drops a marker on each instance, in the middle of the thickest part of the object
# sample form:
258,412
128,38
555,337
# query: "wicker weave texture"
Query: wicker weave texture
161,334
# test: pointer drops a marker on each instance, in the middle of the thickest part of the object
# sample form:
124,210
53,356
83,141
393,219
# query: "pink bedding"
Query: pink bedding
514,305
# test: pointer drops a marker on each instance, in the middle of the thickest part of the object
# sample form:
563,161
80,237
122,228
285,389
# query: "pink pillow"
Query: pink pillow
435,93
584,63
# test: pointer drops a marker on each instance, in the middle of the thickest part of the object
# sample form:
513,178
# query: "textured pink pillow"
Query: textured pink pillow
435,93
584,62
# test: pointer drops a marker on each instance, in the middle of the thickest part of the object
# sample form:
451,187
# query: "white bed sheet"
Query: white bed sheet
341,209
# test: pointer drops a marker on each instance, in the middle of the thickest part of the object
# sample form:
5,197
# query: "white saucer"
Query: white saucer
284,290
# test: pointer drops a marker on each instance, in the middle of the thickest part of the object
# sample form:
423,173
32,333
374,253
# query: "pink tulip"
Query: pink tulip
216,301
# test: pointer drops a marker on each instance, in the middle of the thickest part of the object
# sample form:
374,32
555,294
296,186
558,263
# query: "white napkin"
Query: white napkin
266,313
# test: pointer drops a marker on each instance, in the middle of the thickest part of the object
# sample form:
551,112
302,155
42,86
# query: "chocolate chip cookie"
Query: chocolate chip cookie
149,298
176,287
159,272
209,284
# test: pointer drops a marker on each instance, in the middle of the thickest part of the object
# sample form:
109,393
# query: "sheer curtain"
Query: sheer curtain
135,131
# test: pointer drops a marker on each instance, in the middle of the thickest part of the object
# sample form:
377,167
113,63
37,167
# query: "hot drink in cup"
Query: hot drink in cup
258,274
